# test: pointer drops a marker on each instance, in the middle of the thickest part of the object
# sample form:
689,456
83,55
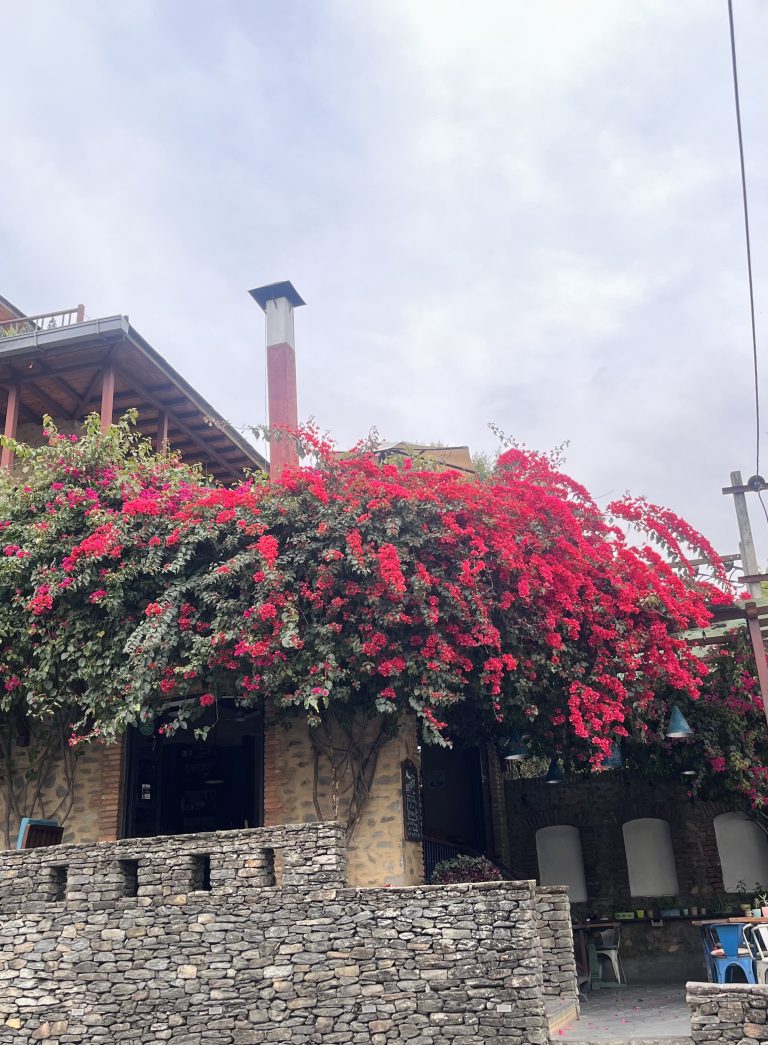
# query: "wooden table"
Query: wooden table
732,921
580,934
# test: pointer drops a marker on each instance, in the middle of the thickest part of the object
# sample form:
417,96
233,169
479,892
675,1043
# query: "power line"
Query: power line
746,233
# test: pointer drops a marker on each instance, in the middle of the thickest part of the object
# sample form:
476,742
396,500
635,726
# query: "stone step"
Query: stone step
623,1041
561,1013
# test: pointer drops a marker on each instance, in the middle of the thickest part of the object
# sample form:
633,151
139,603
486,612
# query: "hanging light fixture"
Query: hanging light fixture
514,749
554,773
688,772
614,759
678,728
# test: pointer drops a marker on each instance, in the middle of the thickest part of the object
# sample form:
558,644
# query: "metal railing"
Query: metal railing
45,321
435,851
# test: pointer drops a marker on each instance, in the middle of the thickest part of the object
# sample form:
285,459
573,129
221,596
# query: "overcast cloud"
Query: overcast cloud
526,213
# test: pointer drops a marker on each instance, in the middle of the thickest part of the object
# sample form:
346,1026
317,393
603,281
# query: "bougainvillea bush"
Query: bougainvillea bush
131,584
727,754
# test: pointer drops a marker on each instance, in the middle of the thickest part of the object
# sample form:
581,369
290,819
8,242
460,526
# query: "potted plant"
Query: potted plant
669,907
756,910
744,904
761,901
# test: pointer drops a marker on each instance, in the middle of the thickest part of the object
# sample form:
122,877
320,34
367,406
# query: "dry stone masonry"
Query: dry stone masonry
730,1013
252,936
553,917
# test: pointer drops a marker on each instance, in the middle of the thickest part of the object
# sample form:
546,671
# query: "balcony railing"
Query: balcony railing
45,321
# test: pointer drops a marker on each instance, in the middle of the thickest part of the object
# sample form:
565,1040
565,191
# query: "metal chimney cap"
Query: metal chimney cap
273,291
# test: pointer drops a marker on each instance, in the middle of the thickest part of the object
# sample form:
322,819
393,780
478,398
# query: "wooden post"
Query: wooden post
162,432
107,397
758,647
746,542
11,423
751,569
80,317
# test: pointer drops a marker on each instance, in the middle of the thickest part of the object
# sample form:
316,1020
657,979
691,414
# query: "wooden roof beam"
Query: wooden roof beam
89,393
60,381
176,423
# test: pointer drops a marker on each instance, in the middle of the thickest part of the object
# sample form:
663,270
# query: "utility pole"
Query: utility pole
746,541
752,575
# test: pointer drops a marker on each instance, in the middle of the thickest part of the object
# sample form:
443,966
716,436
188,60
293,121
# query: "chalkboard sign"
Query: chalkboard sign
411,802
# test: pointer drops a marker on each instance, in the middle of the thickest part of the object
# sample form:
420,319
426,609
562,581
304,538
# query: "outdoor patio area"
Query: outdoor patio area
651,1012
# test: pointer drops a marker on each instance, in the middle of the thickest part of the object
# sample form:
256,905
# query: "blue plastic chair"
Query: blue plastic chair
724,966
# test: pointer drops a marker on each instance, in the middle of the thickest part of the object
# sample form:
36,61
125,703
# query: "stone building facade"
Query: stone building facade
91,807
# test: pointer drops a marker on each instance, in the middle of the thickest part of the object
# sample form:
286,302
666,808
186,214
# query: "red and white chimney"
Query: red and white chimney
278,300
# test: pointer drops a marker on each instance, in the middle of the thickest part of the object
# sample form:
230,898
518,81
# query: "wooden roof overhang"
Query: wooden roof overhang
60,371
751,614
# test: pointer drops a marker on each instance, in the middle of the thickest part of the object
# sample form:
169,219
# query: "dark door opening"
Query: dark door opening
456,803
178,785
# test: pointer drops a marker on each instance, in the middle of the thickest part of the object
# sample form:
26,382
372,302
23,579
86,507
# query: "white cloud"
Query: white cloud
526,213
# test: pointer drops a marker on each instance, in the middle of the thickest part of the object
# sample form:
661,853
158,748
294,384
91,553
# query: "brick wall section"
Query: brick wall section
111,797
598,807
733,1012
498,806
553,915
249,962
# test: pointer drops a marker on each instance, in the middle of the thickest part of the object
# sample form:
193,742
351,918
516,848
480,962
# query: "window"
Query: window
650,858
743,851
561,861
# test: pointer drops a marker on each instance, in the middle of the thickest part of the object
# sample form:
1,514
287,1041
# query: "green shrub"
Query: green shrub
465,869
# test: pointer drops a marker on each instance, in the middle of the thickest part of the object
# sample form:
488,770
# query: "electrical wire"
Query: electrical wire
762,504
747,236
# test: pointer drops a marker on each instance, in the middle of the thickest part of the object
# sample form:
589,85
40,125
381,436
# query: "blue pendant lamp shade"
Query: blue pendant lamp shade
554,774
678,728
514,748
614,760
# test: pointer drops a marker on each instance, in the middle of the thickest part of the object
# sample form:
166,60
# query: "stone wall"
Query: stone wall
599,806
553,915
251,937
733,1012
378,852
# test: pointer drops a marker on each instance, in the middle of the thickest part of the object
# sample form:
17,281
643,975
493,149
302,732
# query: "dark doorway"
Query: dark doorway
178,785
456,802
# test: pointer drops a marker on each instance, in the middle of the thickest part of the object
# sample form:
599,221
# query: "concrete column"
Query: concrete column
11,423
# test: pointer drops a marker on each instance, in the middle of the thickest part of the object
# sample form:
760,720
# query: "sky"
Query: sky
499,211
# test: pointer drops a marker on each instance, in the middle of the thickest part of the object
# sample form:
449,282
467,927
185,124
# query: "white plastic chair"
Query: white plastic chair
757,938
607,943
